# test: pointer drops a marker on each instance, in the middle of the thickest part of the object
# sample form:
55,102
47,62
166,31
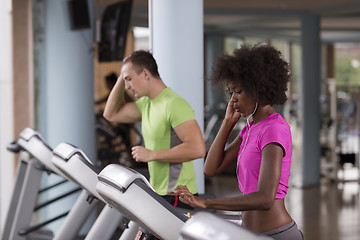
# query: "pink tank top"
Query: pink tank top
273,129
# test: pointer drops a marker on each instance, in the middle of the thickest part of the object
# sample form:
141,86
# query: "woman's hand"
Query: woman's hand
231,114
187,197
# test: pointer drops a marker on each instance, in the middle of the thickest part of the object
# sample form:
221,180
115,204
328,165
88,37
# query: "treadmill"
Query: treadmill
129,192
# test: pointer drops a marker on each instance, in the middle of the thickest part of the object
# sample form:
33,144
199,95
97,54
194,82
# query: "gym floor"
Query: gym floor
329,211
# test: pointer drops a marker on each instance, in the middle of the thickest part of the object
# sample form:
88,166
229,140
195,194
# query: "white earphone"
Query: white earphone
247,137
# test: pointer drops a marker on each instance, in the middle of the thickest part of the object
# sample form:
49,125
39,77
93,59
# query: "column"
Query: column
214,46
176,29
311,57
70,81
69,92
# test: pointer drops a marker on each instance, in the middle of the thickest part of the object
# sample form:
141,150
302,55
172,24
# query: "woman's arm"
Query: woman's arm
262,199
218,158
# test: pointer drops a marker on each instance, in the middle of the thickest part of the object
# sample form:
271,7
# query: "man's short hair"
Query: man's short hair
142,59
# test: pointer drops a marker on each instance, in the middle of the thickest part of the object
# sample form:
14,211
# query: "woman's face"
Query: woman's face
242,102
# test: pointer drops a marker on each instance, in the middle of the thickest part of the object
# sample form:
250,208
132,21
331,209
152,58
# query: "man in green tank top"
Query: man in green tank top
171,133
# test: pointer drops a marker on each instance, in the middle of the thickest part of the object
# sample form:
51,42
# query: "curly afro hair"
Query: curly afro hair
260,70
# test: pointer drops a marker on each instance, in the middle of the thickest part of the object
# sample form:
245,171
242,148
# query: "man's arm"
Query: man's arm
192,146
116,110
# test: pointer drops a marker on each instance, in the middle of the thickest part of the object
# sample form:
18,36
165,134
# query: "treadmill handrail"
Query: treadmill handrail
33,143
29,133
66,151
124,180
207,226
161,200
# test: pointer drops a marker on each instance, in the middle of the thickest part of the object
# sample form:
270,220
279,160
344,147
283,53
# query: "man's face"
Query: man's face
134,82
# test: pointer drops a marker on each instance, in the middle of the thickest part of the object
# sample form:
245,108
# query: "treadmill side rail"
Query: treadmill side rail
208,226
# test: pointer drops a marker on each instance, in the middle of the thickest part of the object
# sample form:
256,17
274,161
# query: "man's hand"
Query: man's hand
141,154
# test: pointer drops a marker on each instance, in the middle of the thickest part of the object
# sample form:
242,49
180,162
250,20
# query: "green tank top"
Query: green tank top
158,118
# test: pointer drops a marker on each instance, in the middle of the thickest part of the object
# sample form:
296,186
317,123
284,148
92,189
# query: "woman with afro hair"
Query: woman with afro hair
257,79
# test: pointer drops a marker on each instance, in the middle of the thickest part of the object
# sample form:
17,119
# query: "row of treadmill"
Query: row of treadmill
122,197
